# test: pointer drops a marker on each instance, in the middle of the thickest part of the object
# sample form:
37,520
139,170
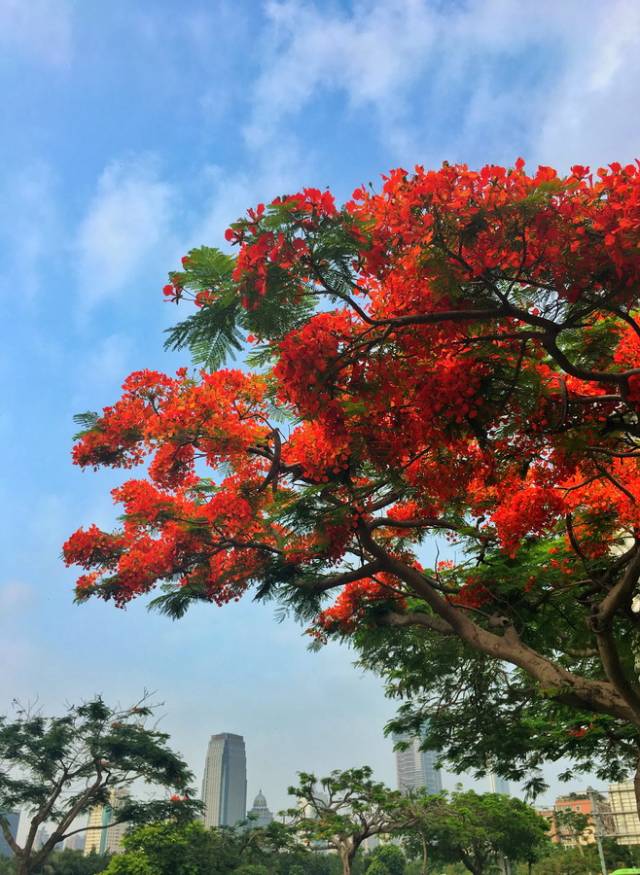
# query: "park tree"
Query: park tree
479,828
386,860
55,769
420,810
572,825
457,356
70,862
187,848
343,809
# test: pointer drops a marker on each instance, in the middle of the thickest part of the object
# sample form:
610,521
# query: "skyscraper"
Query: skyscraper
224,786
416,768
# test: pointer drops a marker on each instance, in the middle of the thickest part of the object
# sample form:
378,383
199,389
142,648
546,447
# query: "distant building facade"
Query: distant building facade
626,824
498,784
259,815
13,819
415,768
101,837
600,817
75,843
224,786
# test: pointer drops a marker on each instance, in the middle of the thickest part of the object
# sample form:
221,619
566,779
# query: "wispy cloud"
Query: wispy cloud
41,29
371,54
466,80
126,222
591,115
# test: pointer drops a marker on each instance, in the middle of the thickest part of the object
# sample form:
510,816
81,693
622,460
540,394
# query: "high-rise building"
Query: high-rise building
259,815
224,786
498,784
101,837
622,800
13,819
416,769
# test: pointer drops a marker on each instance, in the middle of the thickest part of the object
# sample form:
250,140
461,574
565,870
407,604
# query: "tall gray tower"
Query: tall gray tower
224,786
416,769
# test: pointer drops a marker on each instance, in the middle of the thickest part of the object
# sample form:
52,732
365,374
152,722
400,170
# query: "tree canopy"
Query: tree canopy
57,768
343,809
476,829
455,355
190,849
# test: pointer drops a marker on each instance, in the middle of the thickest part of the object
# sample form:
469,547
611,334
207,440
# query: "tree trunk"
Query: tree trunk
425,855
345,859
23,867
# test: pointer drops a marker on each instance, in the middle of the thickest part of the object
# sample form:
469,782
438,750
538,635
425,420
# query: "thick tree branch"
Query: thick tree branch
619,594
559,683
334,580
416,618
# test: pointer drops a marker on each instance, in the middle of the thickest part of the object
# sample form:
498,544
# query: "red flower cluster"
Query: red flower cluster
470,368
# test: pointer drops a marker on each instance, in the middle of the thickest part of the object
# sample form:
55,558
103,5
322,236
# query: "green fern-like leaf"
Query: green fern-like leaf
211,335
88,421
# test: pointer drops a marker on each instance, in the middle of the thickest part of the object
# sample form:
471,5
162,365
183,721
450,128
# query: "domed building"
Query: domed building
260,816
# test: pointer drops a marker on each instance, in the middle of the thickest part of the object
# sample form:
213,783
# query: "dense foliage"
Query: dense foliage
67,862
478,829
190,849
55,769
454,355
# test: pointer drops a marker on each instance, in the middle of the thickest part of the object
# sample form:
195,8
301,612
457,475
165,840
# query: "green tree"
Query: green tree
70,862
57,768
252,869
420,810
475,829
176,849
343,809
572,824
377,867
189,849
386,860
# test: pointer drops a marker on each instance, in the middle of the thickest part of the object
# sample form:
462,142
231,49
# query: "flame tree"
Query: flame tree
456,354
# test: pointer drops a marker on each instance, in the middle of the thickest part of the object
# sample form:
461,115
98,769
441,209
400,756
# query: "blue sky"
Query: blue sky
135,130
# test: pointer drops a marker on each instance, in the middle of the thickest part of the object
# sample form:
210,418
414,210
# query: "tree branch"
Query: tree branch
556,681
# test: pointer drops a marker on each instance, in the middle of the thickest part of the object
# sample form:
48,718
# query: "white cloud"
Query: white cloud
435,78
126,223
591,116
371,55
41,29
